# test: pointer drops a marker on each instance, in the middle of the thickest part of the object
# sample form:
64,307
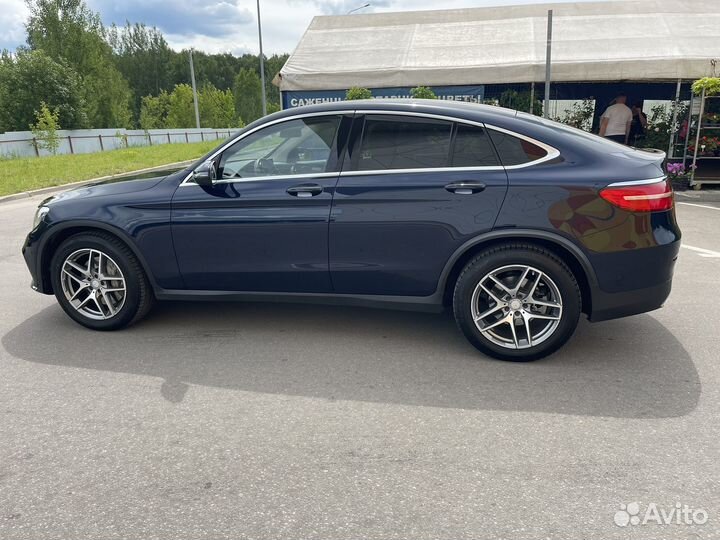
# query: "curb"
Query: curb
65,187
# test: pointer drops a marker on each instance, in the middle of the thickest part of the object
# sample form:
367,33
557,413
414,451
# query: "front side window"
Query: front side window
300,146
401,142
514,150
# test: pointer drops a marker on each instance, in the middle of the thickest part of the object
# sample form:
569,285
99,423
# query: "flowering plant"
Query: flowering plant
706,145
712,118
677,171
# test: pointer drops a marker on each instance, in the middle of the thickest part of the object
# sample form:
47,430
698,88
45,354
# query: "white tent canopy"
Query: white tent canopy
638,40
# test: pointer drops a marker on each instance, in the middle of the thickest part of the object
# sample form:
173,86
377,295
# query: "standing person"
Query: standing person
639,123
615,121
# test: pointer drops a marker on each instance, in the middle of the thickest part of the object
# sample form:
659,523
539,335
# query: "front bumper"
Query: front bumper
32,254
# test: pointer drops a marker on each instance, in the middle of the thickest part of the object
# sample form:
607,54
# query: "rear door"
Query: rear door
413,188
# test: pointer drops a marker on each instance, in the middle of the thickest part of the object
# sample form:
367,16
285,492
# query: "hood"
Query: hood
117,185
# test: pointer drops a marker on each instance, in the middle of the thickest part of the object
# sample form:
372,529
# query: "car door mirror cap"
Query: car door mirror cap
205,174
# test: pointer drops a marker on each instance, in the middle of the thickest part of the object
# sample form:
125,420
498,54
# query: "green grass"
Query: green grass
25,174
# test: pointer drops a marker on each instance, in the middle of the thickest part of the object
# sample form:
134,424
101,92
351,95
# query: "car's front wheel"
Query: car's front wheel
517,302
99,282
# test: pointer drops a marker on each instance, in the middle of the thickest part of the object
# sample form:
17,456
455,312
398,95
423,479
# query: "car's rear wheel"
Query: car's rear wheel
99,282
517,302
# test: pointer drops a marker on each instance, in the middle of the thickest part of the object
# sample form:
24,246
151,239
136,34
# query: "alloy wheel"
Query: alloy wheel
516,306
93,284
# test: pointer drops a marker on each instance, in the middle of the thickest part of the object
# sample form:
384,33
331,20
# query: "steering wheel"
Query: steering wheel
263,165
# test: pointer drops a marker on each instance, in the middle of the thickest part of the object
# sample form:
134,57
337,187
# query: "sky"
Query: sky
227,25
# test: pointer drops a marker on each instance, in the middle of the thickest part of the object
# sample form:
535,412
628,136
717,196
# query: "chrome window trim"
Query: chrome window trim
637,182
551,154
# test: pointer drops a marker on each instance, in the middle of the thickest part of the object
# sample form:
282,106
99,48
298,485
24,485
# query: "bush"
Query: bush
519,101
579,115
45,128
422,92
358,93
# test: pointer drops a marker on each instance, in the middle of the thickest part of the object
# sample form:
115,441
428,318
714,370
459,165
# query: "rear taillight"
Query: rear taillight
640,197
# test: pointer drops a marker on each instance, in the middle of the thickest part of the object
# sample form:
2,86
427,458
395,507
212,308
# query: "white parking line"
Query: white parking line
703,252
700,205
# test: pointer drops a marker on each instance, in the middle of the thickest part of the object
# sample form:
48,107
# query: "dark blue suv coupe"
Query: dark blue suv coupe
518,223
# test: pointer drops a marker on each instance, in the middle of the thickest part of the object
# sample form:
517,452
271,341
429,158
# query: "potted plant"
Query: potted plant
679,176
707,146
711,86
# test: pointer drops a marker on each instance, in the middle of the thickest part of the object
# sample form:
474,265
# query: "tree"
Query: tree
45,128
181,108
144,59
358,93
154,111
520,101
69,32
246,90
32,77
422,92
217,107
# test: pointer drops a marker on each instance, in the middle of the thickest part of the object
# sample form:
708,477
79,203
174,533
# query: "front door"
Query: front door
264,224
414,190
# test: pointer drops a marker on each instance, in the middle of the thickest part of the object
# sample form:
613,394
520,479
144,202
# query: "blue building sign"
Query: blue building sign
291,99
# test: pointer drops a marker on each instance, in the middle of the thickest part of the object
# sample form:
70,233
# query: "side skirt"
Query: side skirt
429,304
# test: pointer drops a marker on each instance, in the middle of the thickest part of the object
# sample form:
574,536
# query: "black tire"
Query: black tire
138,294
506,255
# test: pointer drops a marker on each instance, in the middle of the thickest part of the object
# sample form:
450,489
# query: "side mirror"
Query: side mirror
206,174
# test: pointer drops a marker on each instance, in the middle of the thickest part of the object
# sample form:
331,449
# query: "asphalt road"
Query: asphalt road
308,422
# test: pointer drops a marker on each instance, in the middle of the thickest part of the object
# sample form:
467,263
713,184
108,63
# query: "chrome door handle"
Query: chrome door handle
465,187
305,190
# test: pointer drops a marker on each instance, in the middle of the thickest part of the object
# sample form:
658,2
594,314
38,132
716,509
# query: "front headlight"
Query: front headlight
40,213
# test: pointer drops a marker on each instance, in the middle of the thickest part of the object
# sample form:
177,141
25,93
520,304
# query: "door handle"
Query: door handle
305,190
465,187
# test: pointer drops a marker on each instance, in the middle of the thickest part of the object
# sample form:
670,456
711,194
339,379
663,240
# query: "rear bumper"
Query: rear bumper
607,306
633,282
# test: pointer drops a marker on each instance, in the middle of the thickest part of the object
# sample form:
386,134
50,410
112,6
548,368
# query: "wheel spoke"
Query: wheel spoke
537,302
514,333
80,269
535,284
504,320
74,278
545,317
85,301
528,332
97,303
80,289
488,312
491,294
516,289
500,284
108,302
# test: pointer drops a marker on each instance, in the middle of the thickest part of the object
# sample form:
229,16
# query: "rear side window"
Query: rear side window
400,142
514,150
473,148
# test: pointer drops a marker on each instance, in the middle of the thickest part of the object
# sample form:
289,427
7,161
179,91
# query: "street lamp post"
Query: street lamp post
359,8
262,63
194,90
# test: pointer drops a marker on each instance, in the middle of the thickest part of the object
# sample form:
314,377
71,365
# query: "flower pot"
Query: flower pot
680,184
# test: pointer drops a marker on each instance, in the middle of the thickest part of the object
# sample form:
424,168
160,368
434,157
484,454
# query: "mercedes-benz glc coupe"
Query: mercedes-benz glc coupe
515,223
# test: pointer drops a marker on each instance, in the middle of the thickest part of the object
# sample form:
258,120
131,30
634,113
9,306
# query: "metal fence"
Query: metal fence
87,141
